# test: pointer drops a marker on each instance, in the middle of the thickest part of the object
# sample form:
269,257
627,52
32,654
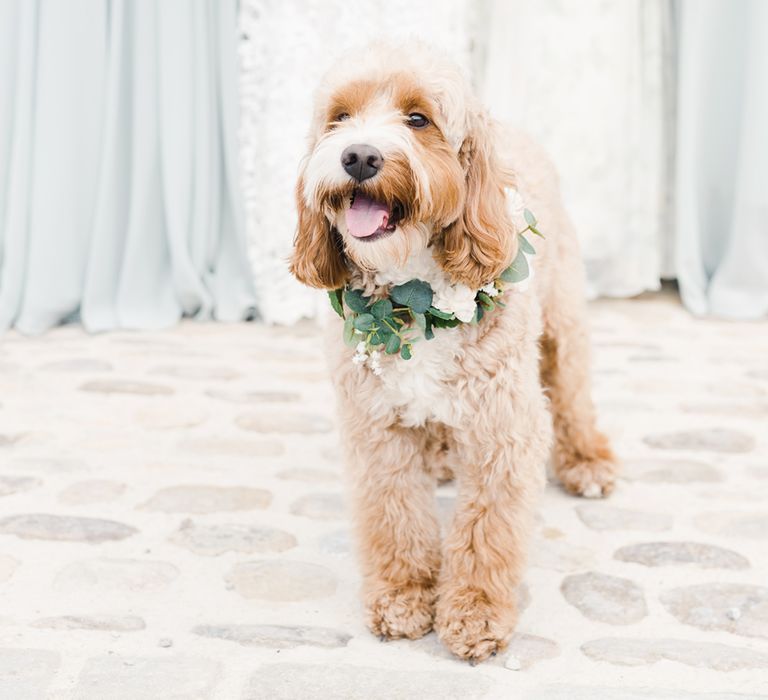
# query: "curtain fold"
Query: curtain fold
120,202
721,251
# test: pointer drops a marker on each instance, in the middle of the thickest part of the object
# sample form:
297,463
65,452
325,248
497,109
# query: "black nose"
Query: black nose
361,161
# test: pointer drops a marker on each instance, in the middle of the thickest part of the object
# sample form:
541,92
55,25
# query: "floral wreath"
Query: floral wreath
412,310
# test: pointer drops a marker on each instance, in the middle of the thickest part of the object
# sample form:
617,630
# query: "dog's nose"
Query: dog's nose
361,161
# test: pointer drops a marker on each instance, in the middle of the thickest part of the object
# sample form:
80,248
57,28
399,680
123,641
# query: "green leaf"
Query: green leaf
438,322
419,320
382,334
428,332
393,345
364,322
376,338
335,296
349,331
355,300
485,302
530,219
381,309
478,314
405,352
518,270
441,314
536,231
525,245
416,295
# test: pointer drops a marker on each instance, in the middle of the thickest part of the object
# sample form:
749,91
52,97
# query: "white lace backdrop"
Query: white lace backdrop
584,76
285,48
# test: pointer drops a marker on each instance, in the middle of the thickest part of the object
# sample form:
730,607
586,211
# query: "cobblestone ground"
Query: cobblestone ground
172,525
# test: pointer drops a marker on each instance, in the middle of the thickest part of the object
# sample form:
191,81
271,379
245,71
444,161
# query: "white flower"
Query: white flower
373,360
457,299
361,353
516,208
490,290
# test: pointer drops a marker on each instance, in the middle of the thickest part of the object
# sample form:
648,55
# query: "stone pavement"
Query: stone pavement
172,525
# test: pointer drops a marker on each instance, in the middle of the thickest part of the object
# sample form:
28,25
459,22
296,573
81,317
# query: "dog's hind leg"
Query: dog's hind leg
397,530
583,459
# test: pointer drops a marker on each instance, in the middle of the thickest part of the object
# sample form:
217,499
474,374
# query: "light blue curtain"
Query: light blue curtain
119,192
721,250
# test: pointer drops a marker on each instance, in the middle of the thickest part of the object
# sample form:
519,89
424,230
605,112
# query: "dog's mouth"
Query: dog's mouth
369,219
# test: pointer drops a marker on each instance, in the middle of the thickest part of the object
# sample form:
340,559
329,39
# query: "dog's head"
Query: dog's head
401,157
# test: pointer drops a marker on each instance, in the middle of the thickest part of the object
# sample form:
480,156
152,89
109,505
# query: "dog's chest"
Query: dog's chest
422,389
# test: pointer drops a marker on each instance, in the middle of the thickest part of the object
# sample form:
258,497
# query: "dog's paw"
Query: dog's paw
472,628
406,611
590,479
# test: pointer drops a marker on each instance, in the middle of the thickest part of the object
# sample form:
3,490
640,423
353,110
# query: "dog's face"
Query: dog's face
399,160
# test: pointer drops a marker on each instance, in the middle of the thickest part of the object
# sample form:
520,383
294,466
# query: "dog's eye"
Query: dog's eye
341,117
417,121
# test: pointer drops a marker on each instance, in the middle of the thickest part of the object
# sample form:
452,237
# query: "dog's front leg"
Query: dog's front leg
397,531
504,454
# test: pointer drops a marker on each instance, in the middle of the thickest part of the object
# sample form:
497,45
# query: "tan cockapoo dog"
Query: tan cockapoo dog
407,178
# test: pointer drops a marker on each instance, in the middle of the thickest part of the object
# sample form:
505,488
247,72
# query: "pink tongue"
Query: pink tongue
366,216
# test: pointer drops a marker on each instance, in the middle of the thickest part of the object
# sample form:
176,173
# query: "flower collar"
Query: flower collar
413,310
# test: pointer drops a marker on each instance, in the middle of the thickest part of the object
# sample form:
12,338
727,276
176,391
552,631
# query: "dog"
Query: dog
408,184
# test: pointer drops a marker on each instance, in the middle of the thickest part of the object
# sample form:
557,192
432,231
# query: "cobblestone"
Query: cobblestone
617,601
174,526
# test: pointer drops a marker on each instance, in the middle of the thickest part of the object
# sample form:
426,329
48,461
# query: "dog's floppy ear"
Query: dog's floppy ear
478,246
318,256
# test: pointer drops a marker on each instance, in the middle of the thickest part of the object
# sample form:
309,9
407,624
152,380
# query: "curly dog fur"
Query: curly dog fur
485,402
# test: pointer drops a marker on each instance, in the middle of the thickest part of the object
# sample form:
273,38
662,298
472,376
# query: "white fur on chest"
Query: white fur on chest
420,388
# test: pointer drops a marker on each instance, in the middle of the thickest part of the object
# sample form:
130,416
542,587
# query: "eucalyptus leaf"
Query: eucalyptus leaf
381,309
376,339
349,330
355,300
479,313
364,322
393,345
530,219
486,303
428,332
518,270
335,296
416,295
405,352
438,322
440,314
525,245
420,320
385,331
